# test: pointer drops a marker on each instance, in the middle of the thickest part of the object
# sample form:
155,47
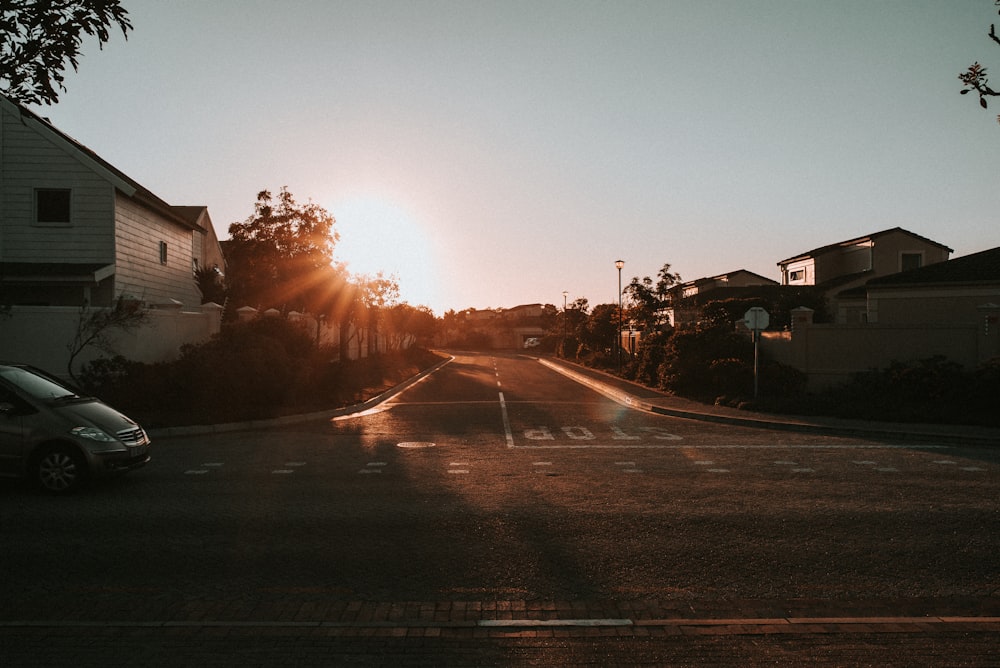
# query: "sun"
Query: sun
378,235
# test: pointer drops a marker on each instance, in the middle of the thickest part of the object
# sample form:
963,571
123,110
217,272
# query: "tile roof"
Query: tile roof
982,267
868,237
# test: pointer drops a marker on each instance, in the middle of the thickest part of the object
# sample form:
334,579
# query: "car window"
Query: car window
38,387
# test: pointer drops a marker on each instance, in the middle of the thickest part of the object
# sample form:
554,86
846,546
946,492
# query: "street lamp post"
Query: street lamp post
618,343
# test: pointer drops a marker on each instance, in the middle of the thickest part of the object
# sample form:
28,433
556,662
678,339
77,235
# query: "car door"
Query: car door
12,410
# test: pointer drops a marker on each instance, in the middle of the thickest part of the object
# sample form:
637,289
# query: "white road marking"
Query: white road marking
529,623
196,472
539,434
506,422
620,435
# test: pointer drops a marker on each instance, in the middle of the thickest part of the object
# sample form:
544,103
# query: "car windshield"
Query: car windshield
34,385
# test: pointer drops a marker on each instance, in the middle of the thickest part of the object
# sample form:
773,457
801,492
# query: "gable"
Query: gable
18,117
864,241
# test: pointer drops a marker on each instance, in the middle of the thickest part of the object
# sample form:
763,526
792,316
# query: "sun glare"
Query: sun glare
378,235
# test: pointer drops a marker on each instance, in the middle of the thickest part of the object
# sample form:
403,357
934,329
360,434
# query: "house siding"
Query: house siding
889,251
29,162
140,273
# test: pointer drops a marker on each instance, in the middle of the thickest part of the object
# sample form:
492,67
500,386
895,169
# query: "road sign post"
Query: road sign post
756,319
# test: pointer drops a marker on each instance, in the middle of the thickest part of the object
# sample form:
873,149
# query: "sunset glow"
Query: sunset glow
378,235
496,154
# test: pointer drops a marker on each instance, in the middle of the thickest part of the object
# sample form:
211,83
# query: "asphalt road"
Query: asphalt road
497,513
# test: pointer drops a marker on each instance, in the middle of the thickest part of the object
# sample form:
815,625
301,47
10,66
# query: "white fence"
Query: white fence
42,335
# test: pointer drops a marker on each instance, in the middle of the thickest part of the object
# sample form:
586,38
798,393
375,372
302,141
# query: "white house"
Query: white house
75,232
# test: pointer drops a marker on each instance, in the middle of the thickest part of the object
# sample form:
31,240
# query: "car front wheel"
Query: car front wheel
59,470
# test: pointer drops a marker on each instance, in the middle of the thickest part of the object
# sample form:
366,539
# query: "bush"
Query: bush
688,357
934,390
649,358
260,369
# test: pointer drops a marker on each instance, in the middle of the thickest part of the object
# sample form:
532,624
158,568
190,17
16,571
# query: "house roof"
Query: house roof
54,272
122,181
728,274
192,214
982,267
822,250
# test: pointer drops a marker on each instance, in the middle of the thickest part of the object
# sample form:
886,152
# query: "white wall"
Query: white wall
41,336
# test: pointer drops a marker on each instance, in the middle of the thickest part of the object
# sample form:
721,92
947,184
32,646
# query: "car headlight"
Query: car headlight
92,433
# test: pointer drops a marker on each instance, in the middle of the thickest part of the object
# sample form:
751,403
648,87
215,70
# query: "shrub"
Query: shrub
249,370
689,354
929,390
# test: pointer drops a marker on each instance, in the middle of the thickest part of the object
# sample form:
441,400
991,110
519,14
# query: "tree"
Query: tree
600,332
94,328
648,299
282,256
211,285
406,324
38,38
975,78
377,292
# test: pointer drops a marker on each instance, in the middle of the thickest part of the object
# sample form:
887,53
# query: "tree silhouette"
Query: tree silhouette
975,78
39,38
282,256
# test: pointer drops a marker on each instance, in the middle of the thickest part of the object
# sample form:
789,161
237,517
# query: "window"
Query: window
163,252
52,205
909,261
797,275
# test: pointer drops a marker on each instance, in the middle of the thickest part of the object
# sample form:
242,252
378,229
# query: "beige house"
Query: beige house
949,309
694,294
839,267
75,232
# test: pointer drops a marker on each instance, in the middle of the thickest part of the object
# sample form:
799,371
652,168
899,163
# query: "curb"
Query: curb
246,425
887,432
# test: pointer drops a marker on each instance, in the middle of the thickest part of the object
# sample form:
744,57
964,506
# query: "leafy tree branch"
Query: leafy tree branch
94,327
39,38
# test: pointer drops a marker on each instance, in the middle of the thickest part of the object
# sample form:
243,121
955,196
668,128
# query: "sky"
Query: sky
491,154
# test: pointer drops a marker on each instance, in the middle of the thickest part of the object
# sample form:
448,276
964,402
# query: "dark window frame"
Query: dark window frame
53,206
909,257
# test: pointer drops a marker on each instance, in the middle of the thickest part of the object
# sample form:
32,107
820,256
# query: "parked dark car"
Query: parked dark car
58,438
